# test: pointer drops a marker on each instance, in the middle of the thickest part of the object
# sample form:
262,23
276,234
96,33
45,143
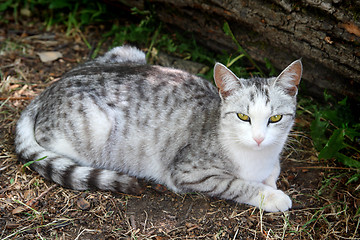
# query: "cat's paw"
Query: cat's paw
274,201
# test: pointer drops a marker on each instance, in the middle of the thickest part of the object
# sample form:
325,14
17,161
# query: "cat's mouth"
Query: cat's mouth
257,147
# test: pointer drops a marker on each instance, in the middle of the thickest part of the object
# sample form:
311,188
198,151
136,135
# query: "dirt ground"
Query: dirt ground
324,205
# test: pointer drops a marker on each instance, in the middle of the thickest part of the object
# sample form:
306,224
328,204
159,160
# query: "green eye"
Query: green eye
243,117
275,118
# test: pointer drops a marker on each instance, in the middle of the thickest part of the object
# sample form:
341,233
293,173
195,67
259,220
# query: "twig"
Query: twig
132,221
21,73
236,233
85,230
5,101
188,211
32,202
323,167
146,218
9,65
15,98
17,232
357,227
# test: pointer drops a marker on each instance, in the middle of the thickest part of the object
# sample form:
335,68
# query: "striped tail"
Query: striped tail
123,54
63,170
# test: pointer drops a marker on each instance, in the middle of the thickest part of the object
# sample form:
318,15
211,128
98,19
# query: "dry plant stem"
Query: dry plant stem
32,202
16,98
325,167
85,230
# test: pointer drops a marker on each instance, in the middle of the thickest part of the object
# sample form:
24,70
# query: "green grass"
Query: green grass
335,132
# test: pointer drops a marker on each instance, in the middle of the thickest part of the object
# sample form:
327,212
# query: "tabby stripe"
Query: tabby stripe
102,88
72,135
24,159
200,180
86,128
254,191
156,137
93,178
133,187
245,191
48,171
166,100
126,127
33,156
205,123
111,138
67,176
252,97
117,185
210,191
267,95
227,187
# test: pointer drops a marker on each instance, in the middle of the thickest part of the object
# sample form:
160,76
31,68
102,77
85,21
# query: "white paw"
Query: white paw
272,200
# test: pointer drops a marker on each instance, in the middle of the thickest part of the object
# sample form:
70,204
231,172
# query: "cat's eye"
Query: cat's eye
243,117
275,118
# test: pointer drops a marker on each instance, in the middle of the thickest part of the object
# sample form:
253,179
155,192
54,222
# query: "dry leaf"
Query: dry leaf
18,210
49,56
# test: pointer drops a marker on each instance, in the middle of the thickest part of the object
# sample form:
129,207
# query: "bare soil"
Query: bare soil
324,205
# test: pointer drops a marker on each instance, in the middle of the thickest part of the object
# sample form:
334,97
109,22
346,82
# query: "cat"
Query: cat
115,119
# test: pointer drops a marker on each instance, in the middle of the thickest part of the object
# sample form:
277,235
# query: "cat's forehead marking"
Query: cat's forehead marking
258,88
260,106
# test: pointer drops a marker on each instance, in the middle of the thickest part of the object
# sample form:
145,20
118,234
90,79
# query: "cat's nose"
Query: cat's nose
258,140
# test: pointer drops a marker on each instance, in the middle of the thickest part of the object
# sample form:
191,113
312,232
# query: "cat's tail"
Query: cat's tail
61,169
123,54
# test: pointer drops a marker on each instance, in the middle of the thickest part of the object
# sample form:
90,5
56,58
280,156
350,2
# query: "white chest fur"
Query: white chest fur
255,165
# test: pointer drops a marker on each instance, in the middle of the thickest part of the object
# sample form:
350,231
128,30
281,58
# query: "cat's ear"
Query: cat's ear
225,80
289,79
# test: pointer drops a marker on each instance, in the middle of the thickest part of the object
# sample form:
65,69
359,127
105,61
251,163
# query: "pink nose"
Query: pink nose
259,140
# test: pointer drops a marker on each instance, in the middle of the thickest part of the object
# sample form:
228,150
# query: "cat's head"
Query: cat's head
257,113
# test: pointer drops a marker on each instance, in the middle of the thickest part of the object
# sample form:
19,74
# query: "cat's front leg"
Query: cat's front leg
271,180
214,182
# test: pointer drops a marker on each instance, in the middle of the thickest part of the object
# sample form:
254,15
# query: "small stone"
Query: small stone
49,56
83,204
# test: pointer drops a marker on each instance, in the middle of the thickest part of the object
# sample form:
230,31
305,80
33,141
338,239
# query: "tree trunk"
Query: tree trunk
324,33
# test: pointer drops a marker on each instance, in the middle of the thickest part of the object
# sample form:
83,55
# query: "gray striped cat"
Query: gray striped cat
115,119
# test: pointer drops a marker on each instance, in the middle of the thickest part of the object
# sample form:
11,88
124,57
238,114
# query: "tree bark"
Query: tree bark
324,33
